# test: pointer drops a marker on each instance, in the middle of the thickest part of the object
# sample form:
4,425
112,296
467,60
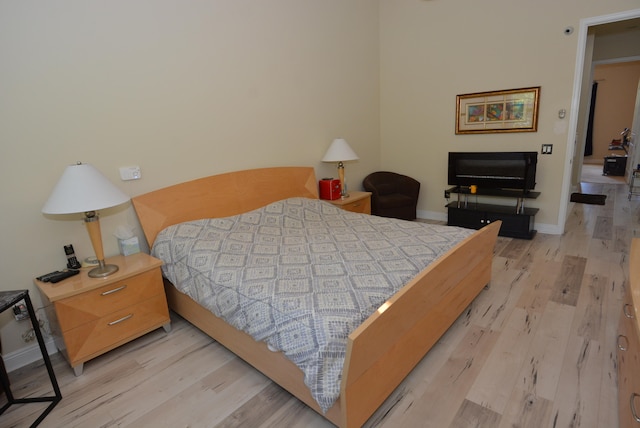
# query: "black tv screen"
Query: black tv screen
493,170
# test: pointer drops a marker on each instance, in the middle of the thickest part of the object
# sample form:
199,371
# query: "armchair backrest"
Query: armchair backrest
387,182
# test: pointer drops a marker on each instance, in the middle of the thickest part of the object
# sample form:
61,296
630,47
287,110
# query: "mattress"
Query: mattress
300,274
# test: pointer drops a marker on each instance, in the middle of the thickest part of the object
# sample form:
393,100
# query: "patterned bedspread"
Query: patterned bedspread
300,274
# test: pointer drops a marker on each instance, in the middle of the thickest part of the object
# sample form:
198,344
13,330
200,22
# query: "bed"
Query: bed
384,348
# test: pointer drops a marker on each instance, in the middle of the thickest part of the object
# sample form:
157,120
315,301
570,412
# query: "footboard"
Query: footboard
388,345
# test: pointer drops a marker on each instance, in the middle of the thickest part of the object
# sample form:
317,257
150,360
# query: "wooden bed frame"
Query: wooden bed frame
385,348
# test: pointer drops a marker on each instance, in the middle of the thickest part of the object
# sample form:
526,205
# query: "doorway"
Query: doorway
612,104
611,73
581,94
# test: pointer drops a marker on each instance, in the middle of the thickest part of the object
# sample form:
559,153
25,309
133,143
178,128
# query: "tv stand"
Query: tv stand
517,221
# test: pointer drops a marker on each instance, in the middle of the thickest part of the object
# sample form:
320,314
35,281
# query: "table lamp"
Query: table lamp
339,151
82,188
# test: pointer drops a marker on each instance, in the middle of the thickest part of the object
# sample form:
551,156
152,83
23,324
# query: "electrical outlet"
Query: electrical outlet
20,312
447,194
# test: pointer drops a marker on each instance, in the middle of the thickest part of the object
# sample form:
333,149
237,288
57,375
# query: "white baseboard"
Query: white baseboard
27,355
432,215
549,229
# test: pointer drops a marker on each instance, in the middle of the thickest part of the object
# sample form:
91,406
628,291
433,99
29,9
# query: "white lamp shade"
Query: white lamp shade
339,151
83,188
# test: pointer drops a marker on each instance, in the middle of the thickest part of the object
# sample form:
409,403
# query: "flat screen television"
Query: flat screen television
493,170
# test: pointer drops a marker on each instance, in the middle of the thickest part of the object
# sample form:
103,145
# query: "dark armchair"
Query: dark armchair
392,194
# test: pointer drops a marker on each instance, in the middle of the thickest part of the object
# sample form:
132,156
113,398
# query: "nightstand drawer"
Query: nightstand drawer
362,206
356,202
87,307
108,332
628,366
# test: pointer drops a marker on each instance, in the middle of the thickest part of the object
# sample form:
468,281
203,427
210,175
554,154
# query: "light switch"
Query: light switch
130,173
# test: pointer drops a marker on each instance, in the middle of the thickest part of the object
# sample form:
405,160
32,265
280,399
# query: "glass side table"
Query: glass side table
7,300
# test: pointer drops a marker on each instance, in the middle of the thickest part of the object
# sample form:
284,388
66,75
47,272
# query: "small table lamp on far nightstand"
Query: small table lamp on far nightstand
340,152
82,188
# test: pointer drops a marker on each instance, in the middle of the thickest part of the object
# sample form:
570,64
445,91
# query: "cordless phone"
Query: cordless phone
72,261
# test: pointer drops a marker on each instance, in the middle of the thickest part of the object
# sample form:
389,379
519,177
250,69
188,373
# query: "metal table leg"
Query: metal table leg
55,399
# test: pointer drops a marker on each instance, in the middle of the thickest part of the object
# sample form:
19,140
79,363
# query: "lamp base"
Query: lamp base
102,271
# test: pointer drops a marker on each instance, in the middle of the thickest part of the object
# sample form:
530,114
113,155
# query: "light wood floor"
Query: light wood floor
535,349
592,173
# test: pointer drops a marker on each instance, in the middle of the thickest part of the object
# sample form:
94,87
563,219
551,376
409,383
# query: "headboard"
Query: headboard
221,195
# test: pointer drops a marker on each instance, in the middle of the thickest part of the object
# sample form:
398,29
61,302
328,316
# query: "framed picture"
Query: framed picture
512,110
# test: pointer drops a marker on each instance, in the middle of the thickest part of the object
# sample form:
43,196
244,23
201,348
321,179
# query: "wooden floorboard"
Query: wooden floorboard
535,349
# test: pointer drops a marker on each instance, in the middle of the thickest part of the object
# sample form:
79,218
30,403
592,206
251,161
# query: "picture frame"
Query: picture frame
511,110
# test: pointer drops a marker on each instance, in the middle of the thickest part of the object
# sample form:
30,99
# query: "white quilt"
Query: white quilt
300,274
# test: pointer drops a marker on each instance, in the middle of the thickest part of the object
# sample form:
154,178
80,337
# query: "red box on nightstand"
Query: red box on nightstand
330,189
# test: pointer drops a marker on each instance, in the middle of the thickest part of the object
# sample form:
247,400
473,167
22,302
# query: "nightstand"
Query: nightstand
357,202
90,316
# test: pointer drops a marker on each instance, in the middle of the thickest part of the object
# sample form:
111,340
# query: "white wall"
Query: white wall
186,89
610,46
182,89
432,51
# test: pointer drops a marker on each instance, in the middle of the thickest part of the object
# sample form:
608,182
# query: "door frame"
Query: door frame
570,152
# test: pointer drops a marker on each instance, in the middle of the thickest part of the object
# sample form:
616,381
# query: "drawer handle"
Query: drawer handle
632,403
626,345
120,320
624,310
115,290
